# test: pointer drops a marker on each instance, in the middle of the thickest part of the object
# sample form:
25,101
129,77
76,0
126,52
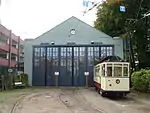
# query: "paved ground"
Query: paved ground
68,100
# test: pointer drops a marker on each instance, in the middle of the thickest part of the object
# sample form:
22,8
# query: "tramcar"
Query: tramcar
111,77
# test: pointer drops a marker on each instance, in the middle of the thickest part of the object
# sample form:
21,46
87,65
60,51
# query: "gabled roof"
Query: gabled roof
90,26
78,20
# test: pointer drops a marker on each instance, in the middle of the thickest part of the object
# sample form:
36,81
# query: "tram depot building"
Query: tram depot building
65,53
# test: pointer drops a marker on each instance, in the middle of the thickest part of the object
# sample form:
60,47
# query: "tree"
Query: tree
115,23
109,19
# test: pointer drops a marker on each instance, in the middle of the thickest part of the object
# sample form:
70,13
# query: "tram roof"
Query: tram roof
112,59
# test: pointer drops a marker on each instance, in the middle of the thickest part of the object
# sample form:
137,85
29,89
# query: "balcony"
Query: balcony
15,38
3,62
21,60
4,46
21,55
4,59
13,63
14,47
14,50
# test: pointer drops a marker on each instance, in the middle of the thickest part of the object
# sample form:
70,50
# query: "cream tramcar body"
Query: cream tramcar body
111,76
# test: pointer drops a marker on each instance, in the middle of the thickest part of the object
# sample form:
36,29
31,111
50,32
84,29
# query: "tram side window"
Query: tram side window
103,70
109,71
97,71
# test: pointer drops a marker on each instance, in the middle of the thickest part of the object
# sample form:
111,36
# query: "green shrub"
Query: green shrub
6,82
22,78
141,80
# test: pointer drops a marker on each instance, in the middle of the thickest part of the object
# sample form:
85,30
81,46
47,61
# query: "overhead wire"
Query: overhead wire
76,27
84,12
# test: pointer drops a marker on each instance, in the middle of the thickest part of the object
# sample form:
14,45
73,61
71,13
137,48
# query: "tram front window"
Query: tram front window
118,71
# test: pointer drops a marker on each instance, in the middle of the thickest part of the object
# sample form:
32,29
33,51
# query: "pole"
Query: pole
0,10
56,78
87,81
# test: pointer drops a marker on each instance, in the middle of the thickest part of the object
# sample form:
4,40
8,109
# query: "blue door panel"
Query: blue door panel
65,78
38,77
81,77
52,65
90,77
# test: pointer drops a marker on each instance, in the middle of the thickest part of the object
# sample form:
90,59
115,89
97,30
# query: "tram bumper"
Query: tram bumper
121,93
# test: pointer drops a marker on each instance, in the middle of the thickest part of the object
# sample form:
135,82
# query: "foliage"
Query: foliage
115,23
25,79
109,19
6,82
3,70
141,80
22,78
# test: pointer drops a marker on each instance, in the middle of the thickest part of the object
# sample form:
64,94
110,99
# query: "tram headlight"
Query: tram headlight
117,81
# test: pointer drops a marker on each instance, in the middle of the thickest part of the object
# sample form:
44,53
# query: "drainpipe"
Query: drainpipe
9,60
18,53
10,43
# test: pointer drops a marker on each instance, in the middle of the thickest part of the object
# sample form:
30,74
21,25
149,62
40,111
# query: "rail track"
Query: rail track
14,108
81,102
64,102
73,97
88,105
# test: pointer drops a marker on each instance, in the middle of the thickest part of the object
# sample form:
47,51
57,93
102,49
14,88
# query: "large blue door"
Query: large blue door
70,61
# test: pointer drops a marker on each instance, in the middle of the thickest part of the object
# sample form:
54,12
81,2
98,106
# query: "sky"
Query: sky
31,18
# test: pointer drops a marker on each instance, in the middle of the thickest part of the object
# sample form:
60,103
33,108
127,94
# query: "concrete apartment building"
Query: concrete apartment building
11,50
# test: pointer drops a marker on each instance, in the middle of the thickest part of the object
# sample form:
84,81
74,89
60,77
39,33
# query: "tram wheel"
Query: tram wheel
102,93
122,95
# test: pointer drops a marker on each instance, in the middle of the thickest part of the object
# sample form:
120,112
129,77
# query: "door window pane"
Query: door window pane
109,51
36,57
63,56
103,52
55,56
90,56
